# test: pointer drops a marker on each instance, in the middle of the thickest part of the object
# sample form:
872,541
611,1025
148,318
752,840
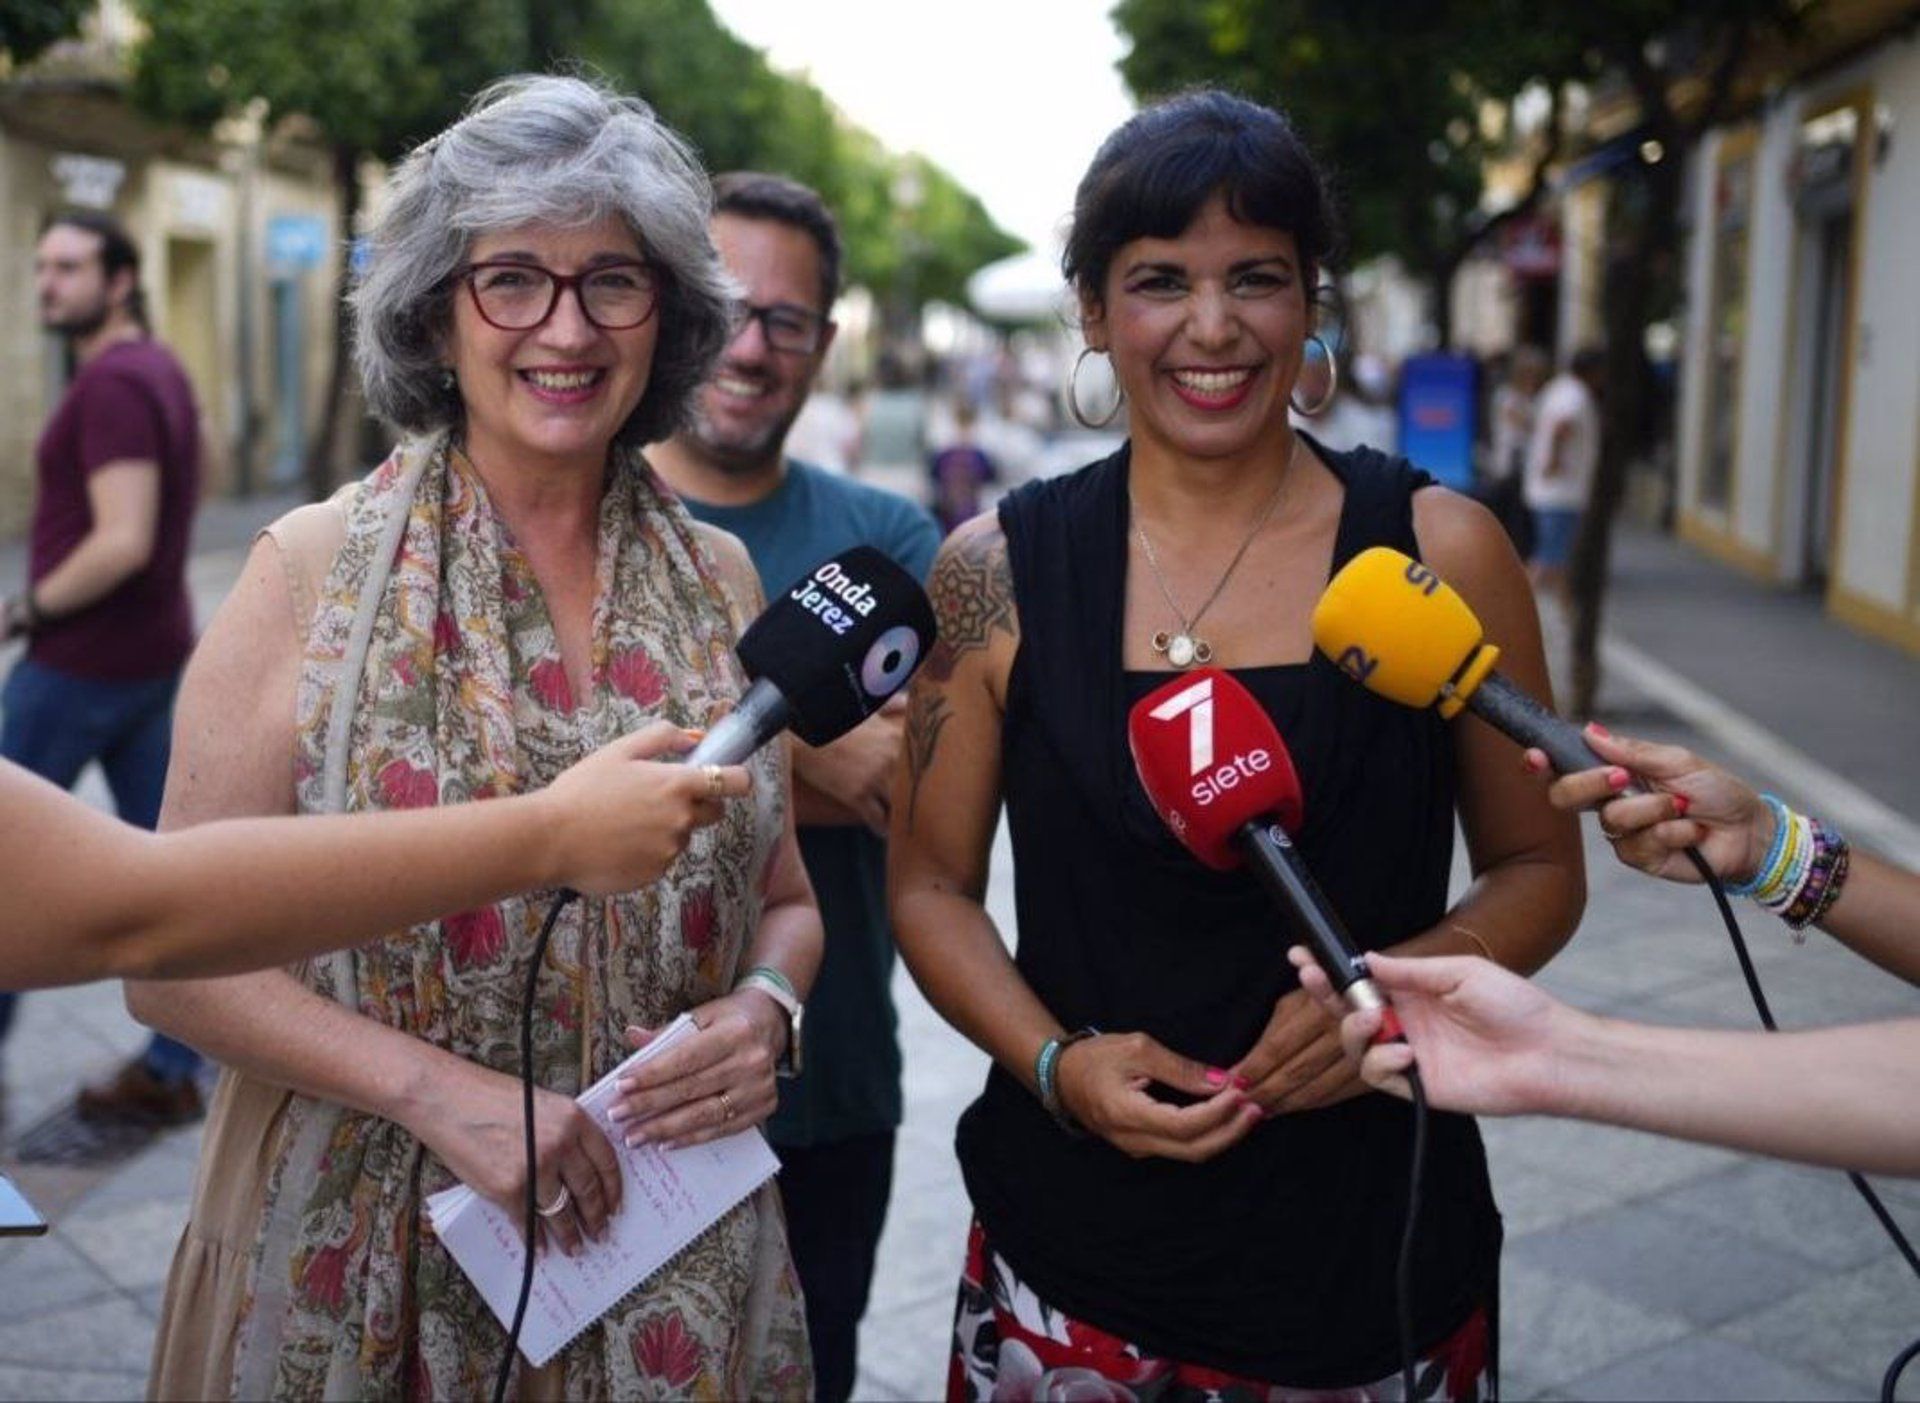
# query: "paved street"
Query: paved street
1635,1267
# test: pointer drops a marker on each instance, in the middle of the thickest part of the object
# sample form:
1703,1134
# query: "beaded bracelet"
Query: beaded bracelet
1782,830
1827,872
1795,866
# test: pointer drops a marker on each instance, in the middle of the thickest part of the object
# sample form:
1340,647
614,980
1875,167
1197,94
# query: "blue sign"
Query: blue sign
296,241
1436,416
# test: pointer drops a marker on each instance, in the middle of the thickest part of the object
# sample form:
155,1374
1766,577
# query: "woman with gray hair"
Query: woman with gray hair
512,587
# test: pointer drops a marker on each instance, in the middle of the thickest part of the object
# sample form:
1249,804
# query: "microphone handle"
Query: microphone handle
762,714
1283,872
1277,862
1506,708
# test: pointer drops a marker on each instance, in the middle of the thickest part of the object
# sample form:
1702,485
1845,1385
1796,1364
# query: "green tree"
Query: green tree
1378,86
1385,94
742,114
375,76
28,27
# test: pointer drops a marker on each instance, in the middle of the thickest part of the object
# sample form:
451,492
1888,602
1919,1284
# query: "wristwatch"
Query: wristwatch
774,985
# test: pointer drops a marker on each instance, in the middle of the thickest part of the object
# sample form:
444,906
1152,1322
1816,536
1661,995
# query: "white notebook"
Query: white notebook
668,1198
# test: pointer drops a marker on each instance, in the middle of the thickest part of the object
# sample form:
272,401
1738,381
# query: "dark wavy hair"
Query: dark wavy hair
1155,172
118,252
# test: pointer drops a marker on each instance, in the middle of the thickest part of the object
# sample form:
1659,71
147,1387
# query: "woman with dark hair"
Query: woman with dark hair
1180,1187
513,586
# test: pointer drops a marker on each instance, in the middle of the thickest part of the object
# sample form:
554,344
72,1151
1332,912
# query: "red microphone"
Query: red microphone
1220,777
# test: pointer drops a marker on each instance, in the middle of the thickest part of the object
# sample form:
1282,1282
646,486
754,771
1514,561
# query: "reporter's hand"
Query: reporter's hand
1690,803
856,771
478,1130
620,817
1102,1081
716,1082
1484,1038
1297,1064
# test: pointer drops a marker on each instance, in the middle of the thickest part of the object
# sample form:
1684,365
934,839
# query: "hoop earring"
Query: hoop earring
1333,382
1073,395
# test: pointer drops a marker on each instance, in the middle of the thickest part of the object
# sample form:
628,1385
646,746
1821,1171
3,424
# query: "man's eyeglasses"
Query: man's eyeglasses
786,327
520,296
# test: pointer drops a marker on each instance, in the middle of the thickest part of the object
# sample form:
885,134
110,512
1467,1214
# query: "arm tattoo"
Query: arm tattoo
927,714
972,592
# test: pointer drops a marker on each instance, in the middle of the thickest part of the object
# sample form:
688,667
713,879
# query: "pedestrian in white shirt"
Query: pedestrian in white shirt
1561,459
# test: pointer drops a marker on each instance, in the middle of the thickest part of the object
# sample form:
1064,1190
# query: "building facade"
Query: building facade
237,235
1799,428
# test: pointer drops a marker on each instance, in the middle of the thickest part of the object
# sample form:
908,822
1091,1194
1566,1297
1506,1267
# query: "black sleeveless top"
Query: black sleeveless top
1275,1259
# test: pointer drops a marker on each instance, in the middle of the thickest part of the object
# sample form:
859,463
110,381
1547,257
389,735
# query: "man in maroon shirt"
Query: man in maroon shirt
106,613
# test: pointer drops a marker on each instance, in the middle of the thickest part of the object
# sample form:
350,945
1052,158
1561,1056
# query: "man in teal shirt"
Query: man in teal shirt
834,1129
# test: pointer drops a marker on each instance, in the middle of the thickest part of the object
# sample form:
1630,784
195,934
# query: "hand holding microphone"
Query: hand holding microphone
1689,803
822,658
1220,777
1486,1037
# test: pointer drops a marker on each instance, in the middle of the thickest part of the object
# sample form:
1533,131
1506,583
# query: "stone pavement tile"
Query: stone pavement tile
1705,1369
1632,1162
46,1273
1531,1199
156,1173
132,1245
1814,1213
1600,982
110,1335
1849,1326
1668,1263
1553,1329
53,1189
1799,999
60,1385
903,1352
150,1299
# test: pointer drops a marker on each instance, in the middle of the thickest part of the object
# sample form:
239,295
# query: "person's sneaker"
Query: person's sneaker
135,1096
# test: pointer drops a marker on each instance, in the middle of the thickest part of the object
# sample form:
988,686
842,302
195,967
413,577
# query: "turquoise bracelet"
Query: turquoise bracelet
1781,824
1046,1066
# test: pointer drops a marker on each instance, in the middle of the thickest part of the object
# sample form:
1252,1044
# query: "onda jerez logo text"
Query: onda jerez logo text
1211,780
820,590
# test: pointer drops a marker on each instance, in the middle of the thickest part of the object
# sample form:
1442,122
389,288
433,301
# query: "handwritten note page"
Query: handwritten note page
668,1198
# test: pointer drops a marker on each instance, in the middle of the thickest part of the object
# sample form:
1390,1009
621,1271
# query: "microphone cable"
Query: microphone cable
562,899
1712,879
1403,1270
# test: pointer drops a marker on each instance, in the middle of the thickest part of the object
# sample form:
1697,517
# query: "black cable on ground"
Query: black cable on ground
1865,1189
1403,1272
561,901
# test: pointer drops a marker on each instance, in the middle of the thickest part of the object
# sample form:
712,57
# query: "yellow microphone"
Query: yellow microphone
1399,630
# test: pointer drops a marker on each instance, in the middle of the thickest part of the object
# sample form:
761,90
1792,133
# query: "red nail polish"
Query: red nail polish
1599,730
1216,1077
1680,805
1618,778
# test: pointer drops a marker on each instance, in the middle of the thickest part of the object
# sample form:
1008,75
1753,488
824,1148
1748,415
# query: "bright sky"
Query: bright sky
1011,97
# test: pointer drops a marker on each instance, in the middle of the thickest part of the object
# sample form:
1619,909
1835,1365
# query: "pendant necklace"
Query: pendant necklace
1187,648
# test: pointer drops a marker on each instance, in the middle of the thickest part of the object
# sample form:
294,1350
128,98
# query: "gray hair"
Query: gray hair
551,150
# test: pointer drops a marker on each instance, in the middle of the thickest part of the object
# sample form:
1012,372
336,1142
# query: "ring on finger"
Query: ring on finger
726,1107
716,780
559,1204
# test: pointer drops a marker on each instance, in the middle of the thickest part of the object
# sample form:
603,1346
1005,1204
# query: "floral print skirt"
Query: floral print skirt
1008,1344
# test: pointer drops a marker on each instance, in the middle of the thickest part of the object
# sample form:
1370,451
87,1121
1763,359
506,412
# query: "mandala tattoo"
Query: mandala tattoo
972,593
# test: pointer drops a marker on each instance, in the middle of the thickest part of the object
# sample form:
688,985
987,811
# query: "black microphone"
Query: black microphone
825,655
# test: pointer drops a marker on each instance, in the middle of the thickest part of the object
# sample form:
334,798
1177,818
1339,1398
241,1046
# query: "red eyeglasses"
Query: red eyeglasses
517,296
